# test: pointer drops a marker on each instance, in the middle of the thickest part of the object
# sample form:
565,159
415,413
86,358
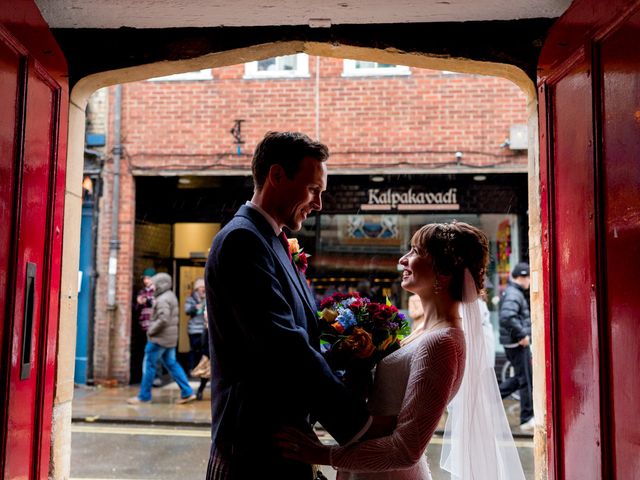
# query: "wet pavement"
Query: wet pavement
103,404
112,440
101,451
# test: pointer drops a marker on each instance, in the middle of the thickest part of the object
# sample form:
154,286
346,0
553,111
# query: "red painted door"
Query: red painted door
619,57
589,86
33,95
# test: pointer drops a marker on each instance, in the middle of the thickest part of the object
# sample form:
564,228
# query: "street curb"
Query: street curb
522,436
142,421
178,423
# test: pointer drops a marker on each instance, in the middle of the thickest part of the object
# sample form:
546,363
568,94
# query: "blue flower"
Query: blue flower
349,301
346,318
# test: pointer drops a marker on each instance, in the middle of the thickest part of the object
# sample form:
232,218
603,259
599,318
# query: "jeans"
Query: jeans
154,353
520,358
158,368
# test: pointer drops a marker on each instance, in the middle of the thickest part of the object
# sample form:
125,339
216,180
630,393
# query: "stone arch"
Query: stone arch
85,86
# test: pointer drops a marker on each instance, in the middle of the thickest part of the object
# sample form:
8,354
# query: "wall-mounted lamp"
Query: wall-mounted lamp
377,178
236,131
87,185
479,178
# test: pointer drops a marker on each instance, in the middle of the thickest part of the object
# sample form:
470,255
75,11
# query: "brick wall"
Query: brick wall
112,327
366,121
414,122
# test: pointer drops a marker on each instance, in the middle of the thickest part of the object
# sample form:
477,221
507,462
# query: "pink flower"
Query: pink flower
302,263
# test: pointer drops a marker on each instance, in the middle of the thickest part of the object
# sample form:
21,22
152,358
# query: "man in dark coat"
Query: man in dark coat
515,336
266,369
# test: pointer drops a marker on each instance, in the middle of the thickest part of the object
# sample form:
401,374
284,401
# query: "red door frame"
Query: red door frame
569,48
26,35
592,426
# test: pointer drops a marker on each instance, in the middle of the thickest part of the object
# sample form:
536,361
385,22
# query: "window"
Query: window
288,66
178,77
360,68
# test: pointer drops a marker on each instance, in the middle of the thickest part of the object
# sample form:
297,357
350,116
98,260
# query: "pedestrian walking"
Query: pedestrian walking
515,335
162,339
143,309
144,299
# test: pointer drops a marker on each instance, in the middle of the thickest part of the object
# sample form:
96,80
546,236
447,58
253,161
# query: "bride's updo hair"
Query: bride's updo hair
452,247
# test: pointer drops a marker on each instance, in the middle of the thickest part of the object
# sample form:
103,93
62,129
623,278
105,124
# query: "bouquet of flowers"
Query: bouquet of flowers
357,333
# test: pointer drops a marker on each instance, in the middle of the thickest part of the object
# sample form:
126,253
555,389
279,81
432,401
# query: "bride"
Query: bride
442,364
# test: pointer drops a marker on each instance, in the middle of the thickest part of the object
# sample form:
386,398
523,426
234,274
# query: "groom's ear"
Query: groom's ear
276,174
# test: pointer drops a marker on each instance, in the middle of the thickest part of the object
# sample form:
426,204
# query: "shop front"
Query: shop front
365,226
367,223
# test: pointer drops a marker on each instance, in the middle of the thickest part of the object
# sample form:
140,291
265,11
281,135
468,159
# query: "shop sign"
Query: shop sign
395,199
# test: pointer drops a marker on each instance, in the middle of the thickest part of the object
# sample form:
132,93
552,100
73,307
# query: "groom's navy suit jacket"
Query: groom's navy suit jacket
266,370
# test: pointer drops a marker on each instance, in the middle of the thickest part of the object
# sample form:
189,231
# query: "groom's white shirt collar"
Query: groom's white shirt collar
268,218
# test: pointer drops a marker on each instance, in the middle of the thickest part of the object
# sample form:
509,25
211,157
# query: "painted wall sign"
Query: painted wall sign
392,199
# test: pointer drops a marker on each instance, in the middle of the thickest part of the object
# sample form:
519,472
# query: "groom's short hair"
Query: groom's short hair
287,149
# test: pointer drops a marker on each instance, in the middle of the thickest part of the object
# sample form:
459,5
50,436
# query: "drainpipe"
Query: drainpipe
114,242
318,98
317,140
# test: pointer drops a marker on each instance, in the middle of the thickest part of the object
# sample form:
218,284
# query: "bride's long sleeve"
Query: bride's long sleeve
432,378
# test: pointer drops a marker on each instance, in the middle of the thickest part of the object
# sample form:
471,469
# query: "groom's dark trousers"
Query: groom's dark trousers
266,369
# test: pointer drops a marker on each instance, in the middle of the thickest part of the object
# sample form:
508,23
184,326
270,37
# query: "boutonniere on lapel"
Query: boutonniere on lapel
300,259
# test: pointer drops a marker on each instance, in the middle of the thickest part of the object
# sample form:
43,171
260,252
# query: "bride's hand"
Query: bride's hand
302,446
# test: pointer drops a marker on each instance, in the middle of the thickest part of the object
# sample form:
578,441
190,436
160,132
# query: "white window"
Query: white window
360,68
178,77
288,66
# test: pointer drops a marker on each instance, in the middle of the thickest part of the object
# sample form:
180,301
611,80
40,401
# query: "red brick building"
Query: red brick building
454,145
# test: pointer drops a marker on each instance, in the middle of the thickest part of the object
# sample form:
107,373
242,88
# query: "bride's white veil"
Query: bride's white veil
478,444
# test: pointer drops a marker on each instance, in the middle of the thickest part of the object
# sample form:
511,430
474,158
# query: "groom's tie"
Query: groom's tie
285,244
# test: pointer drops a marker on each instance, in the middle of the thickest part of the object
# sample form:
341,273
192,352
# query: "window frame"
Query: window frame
301,71
197,75
349,70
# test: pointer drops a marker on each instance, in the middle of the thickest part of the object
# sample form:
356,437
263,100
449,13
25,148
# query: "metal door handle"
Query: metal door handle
27,324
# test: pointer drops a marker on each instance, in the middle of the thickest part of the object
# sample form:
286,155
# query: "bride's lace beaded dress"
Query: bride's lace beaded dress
416,383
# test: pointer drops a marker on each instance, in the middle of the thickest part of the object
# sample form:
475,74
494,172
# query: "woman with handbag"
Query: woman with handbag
203,369
195,307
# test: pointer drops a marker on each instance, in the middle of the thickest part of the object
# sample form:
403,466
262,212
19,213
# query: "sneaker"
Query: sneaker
528,425
137,401
188,399
199,396
157,382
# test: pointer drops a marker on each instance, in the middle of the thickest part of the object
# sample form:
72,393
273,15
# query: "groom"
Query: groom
266,371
